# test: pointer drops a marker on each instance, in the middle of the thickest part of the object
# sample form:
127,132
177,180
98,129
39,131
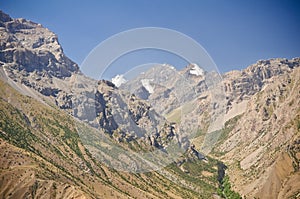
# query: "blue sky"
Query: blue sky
235,33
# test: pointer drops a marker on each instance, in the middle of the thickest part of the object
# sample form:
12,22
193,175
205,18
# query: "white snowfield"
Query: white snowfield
196,70
146,84
118,80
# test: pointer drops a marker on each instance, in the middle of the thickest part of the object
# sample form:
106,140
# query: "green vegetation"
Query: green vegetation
34,189
14,129
224,133
71,139
199,133
199,174
211,138
175,115
298,125
228,127
60,155
225,190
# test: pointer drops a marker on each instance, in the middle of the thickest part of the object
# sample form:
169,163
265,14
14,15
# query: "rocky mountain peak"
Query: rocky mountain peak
27,47
193,70
241,85
265,69
4,18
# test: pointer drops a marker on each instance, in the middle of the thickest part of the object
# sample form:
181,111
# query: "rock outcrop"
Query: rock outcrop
241,85
32,50
31,55
260,145
258,105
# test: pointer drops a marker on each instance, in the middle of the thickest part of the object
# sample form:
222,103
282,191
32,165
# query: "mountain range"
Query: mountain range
164,134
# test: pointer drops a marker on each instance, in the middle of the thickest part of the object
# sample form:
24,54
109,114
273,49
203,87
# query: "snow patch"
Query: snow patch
168,65
196,70
118,80
146,84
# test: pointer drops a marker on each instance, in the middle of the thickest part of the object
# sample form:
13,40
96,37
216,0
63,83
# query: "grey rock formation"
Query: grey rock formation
31,55
166,88
241,85
29,47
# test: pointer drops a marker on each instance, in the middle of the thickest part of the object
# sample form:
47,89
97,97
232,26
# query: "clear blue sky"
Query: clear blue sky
235,33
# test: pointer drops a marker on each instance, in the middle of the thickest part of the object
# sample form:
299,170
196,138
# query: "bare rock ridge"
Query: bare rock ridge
41,54
32,56
259,141
241,85
166,88
264,137
43,155
39,63
186,85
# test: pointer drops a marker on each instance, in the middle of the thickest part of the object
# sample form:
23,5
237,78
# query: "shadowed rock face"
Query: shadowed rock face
4,18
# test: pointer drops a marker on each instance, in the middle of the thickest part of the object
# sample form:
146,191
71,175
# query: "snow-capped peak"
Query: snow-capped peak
196,70
118,80
146,84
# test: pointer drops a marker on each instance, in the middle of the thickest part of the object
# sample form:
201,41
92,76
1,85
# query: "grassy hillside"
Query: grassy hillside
42,156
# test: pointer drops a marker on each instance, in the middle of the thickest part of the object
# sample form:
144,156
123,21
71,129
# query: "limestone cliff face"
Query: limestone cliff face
262,146
31,55
241,85
29,48
43,94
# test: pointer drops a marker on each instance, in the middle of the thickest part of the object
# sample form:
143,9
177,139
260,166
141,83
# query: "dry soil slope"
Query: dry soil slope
42,157
261,146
